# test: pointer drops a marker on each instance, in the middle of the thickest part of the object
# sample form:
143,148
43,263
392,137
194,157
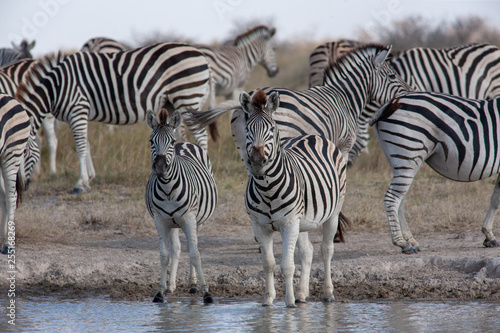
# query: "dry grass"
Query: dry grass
122,162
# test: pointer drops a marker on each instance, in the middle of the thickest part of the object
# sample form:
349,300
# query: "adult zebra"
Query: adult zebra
181,193
8,56
14,136
294,186
103,45
232,64
114,88
469,71
330,110
10,77
457,137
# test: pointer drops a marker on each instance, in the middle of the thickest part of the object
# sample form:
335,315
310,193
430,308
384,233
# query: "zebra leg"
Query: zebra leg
289,235
90,164
265,239
487,227
79,128
305,250
48,126
164,235
37,168
174,256
329,230
190,230
405,230
5,215
9,174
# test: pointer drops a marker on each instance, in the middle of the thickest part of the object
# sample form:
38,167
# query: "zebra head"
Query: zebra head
24,48
386,83
258,47
269,58
262,137
162,139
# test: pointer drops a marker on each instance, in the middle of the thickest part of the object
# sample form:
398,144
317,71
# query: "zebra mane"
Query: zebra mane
259,100
37,73
162,117
252,34
344,59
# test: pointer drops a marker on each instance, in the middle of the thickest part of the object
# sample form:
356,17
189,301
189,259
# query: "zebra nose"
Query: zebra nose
272,71
160,164
257,155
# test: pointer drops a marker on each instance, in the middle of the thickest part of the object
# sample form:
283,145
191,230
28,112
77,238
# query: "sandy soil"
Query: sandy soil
97,257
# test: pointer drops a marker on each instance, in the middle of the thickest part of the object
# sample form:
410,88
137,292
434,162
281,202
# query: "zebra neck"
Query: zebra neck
280,178
251,52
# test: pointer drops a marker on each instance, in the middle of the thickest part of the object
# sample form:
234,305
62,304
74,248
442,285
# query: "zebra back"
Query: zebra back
182,179
323,55
103,45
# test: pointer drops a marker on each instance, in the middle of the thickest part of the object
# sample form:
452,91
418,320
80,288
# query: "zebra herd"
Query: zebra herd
439,106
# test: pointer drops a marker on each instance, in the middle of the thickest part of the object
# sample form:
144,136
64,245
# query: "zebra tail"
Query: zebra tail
201,119
344,223
385,111
20,184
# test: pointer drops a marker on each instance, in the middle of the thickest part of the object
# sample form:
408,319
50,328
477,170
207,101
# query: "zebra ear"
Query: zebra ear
175,119
273,101
151,120
272,31
31,45
245,101
381,56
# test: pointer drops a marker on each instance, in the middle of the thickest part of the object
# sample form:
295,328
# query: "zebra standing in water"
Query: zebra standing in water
8,56
114,88
181,193
14,136
294,186
103,45
10,77
457,137
231,65
330,110
469,71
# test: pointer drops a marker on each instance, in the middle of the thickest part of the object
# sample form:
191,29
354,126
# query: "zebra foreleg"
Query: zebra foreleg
327,248
164,236
265,239
174,256
305,250
487,227
79,128
8,197
48,126
90,164
190,230
289,235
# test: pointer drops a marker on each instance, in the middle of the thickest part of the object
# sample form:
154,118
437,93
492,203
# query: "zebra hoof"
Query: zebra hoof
328,299
78,190
486,243
299,301
6,249
208,299
193,290
410,250
159,298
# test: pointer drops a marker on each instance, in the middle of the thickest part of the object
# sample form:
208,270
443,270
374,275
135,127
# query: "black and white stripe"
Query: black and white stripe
103,45
8,56
10,77
459,138
14,135
231,65
114,88
331,110
181,193
294,186
469,71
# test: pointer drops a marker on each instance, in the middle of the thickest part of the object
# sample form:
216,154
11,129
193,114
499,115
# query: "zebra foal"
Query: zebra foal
181,193
14,135
459,138
294,186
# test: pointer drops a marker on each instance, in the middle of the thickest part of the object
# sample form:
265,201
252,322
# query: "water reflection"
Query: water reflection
191,315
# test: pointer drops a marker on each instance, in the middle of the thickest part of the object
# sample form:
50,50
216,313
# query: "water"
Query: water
189,315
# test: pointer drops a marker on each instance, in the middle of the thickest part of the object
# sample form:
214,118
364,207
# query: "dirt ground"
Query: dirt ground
79,248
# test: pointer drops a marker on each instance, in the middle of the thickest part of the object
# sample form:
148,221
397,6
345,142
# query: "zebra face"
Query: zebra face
388,85
269,60
262,137
162,140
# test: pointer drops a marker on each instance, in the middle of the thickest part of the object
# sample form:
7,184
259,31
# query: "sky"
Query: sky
67,24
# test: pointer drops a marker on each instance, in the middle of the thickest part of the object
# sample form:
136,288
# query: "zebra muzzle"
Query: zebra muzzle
160,164
257,161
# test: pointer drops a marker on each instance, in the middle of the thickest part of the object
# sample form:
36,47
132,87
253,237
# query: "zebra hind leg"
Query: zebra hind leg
487,227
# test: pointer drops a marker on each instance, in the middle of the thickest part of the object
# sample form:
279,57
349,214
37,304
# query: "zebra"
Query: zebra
8,56
330,110
459,138
103,45
114,88
14,136
181,193
469,71
294,186
327,53
10,77
232,64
